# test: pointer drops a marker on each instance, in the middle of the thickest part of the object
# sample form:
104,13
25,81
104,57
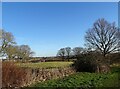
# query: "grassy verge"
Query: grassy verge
84,80
45,64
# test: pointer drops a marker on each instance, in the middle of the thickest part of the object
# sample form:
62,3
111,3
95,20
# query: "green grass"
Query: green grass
84,80
46,64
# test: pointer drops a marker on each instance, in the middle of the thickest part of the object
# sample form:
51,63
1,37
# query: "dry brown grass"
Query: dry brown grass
12,76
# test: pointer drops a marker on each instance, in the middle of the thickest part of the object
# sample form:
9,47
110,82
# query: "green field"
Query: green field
84,80
45,64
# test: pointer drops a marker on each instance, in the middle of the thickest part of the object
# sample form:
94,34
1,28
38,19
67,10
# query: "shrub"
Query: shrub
12,76
113,58
85,64
91,63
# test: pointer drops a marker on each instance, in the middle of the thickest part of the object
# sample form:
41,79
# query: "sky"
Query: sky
48,26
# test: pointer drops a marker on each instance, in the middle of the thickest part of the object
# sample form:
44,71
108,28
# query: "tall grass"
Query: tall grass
12,76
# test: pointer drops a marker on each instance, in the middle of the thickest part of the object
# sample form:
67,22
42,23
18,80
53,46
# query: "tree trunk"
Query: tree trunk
102,68
102,65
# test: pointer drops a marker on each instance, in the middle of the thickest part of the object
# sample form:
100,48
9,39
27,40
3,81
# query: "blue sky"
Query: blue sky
47,27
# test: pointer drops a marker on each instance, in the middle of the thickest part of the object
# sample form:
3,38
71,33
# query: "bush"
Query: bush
91,63
12,76
85,64
113,58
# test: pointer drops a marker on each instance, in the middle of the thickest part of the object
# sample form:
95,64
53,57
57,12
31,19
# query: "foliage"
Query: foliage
11,51
113,58
6,40
85,63
45,64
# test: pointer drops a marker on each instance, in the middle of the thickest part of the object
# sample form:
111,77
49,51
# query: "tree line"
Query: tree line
68,52
10,49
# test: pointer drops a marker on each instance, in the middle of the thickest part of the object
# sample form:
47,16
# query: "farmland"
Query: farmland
46,65
77,79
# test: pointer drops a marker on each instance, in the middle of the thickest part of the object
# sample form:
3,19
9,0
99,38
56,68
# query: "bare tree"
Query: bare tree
68,51
61,53
24,52
77,51
118,36
103,36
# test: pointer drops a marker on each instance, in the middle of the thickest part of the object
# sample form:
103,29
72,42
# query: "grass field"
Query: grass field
45,64
84,80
